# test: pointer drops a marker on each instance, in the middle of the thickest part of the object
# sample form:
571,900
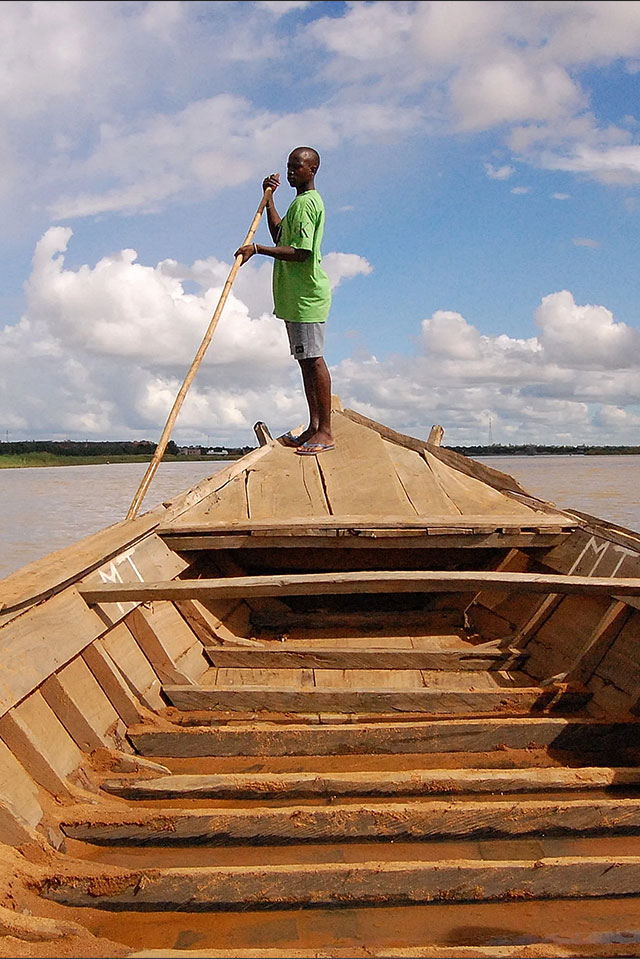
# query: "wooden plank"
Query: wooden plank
444,735
464,880
393,581
471,495
17,789
43,639
134,666
40,742
82,707
598,644
207,487
148,561
282,484
106,673
58,570
164,637
315,657
361,453
374,679
486,474
251,676
397,821
15,830
449,540
432,701
420,485
619,666
366,623
399,523
381,783
227,504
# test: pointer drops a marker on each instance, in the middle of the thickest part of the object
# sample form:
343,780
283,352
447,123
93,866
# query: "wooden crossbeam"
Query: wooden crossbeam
463,521
451,538
381,784
461,880
284,656
418,820
433,735
510,700
387,581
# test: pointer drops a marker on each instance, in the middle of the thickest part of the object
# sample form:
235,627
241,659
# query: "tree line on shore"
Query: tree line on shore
112,448
73,448
536,449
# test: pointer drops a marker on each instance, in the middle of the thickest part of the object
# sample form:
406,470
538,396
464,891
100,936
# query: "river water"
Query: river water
45,509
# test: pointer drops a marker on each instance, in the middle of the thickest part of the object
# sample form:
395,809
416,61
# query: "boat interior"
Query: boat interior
377,702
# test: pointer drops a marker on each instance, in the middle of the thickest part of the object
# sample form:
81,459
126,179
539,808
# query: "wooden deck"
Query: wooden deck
377,702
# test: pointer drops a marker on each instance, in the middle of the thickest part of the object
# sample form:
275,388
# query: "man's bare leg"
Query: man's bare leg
317,387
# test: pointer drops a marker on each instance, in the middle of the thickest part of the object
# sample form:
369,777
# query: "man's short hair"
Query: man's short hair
313,153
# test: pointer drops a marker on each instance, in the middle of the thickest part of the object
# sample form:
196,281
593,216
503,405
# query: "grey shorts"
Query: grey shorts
305,339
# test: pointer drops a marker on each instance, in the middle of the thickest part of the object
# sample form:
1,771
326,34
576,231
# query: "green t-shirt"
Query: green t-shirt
301,291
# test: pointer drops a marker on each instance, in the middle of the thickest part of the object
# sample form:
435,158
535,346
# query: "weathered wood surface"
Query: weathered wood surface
473,495
397,522
149,561
122,649
389,581
113,683
283,484
359,473
347,539
487,474
212,485
424,492
314,656
40,641
512,700
367,624
598,643
447,735
401,782
54,572
42,745
17,789
226,504
81,706
376,881
398,820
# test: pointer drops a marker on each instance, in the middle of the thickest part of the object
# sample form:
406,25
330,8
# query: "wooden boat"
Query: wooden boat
379,702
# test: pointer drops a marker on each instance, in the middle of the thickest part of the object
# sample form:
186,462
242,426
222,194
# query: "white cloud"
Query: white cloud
561,386
344,266
617,165
103,350
560,196
499,173
521,190
585,241
281,7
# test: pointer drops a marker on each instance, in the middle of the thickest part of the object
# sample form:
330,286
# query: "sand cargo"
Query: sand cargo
376,702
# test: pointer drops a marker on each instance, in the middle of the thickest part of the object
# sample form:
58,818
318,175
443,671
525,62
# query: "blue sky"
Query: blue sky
481,175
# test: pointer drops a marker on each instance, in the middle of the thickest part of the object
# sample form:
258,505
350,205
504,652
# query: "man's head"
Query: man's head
302,166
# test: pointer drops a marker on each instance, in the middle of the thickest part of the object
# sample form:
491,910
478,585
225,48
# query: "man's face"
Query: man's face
299,169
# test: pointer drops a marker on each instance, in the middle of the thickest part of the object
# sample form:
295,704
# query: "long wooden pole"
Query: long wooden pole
188,380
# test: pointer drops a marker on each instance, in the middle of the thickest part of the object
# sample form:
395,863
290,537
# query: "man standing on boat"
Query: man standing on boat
301,291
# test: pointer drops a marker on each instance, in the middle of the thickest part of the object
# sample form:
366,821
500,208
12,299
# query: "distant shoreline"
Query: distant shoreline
42,459
35,460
